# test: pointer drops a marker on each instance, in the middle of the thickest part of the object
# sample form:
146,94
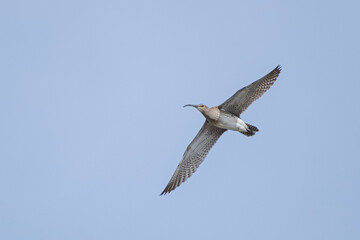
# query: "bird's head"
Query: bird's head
200,107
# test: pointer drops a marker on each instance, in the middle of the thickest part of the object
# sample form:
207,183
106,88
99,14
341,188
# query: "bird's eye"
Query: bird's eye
201,105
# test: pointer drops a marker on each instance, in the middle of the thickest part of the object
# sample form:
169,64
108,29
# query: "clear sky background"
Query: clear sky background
92,125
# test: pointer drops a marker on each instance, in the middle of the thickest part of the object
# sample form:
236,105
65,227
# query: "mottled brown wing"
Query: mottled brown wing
247,95
194,155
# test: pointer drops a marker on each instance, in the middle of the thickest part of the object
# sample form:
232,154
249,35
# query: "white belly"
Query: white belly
241,125
231,123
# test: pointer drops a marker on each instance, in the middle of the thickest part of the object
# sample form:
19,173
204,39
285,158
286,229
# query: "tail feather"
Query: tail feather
251,130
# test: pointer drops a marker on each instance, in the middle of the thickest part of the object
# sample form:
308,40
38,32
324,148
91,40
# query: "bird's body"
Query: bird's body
225,120
219,119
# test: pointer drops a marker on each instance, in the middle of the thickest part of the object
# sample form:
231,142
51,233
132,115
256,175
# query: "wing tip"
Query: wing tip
166,191
278,67
169,187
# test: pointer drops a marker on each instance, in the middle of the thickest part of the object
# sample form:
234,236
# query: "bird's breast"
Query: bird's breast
212,114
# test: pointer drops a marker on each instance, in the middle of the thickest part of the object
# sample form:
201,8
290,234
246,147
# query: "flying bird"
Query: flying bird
219,119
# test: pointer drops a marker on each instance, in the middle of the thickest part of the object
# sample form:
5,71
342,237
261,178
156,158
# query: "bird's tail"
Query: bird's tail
251,130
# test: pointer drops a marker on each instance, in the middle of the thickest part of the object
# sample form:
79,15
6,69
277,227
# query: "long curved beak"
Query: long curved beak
190,105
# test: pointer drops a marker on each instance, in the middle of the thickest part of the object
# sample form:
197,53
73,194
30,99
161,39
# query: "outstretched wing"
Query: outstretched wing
247,95
194,155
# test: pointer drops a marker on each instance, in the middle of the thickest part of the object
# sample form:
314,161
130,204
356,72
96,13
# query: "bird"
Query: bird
218,120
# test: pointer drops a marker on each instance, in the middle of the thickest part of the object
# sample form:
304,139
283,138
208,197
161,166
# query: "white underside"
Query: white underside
233,124
241,125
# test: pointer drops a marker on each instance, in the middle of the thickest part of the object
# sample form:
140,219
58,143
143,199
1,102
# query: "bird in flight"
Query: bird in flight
219,119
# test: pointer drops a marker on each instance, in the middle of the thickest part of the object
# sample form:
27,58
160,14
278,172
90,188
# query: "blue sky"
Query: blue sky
92,125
